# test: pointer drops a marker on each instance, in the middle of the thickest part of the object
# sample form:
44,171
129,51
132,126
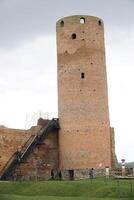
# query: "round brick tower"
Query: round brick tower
84,136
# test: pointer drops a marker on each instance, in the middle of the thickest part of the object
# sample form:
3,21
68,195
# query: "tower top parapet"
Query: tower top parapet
81,19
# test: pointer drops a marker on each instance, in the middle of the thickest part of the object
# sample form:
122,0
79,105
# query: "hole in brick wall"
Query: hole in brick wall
71,174
82,20
82,75
99,22
62,23
74,36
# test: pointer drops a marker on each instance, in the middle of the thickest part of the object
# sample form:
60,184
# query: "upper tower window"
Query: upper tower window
99,22
62,23
74,36
82,20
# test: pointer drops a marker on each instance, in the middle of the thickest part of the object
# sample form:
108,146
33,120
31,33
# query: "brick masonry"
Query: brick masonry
39,163
85,139
11,140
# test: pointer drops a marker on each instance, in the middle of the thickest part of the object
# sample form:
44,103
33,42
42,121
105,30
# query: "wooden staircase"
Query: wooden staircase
19,156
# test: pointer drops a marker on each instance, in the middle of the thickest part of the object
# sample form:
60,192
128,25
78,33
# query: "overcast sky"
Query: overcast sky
28,61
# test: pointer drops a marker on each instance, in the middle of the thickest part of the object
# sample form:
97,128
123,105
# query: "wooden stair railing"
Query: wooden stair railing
19,156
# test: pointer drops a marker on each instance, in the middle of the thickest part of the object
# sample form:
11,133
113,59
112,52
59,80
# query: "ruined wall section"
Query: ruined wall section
11,140
41,161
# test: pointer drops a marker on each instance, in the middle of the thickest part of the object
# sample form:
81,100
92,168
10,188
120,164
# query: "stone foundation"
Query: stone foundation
78,174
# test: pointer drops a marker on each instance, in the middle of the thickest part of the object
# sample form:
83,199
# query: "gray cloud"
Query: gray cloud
21,20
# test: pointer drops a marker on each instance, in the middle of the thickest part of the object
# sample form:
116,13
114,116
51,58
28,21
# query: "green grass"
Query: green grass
68,190
17,197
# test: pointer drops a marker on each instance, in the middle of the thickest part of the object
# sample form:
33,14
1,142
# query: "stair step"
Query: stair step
34,140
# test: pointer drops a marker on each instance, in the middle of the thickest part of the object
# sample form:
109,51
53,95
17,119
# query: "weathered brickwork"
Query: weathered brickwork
113,155
11,140
84,137
40,162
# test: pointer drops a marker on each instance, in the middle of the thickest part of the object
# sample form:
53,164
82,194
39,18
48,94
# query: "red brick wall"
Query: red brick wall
113,155
10,141
41,160
84,137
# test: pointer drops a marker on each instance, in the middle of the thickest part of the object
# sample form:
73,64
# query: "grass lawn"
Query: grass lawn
68,190
17,197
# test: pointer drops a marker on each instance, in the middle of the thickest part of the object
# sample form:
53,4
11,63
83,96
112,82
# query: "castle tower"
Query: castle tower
84,136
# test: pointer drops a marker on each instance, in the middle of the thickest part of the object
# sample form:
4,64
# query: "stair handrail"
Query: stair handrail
18,155
38,136
14,155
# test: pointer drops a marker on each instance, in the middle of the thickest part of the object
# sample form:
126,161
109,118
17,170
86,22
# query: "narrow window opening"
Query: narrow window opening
82,20
99,22
82,75
62,23
74,36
